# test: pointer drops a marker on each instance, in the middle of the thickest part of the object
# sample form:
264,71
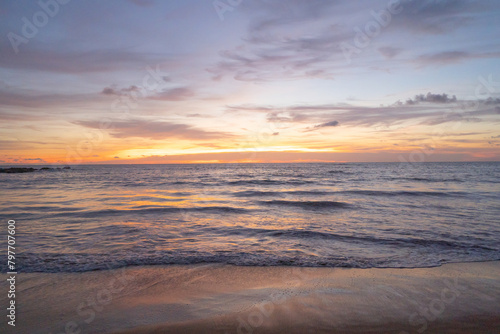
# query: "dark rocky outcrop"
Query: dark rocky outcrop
27,169
17,170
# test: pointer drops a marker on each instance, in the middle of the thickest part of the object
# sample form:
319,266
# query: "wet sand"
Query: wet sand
454,298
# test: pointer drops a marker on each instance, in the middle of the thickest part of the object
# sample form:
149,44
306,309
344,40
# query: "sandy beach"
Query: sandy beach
453,298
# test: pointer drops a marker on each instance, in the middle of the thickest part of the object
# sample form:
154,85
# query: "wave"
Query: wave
153,210
424,179
339,172
38,208
55,263
251,193
256,193
268,182
404,193
309,204
309,234
82,262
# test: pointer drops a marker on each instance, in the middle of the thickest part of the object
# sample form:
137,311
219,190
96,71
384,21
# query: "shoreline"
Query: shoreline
211,298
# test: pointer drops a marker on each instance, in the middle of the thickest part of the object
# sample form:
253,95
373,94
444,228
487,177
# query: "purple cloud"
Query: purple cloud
154,129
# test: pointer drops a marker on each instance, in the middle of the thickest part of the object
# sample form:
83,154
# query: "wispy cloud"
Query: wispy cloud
436,17
174,94
451,57
389,52
167,94
21,97
72,62
156,130
429,109
274,50
327,124
119,92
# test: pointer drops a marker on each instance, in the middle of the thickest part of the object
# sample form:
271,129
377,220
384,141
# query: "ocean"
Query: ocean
359,215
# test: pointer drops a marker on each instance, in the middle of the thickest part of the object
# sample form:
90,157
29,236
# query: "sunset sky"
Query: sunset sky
249,81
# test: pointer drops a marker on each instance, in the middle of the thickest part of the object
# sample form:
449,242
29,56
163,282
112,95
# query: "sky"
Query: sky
192,81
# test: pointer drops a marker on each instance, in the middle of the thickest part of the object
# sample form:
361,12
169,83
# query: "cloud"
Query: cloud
290,58
74,62
436,17
169,94
429,109
389,52
109,91
35,159
492,101
323,125
275,49
29,145
468,133
154,129
451,57
327,124
447,57
120,92
9,116
270,14
20,97
174,94
432,98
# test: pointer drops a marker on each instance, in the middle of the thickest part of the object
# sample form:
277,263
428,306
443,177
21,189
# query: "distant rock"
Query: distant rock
28,169
17,170
58,168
